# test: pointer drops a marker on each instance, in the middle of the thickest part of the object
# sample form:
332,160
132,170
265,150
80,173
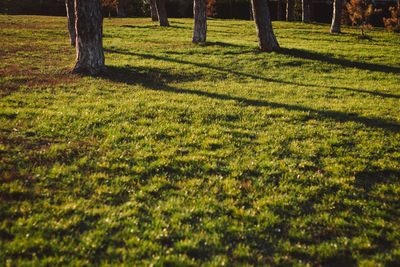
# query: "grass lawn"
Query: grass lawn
213,154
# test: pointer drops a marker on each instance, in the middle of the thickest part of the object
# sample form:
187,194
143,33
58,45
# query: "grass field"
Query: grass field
212,154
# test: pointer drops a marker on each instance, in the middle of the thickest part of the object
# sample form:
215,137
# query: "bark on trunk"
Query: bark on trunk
162,13
69,5
267,40
251,12
305,15
200,21
289,10
121,9
89,42
153,10
337,16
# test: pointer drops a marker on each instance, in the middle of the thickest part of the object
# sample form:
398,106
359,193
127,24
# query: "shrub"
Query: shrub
211,8
359,12
111,5
393,23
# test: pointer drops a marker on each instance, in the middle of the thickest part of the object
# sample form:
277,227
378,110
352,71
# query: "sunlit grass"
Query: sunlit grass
211,154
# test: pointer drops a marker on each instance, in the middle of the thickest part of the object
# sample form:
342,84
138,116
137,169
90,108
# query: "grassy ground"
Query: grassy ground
211,154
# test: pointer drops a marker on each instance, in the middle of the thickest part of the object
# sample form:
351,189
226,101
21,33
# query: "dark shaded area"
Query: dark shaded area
33,7
371,177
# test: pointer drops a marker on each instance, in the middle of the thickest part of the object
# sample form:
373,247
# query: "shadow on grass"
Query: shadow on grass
305,54
148,56
140,26
371,177
153,27
222,44
131,76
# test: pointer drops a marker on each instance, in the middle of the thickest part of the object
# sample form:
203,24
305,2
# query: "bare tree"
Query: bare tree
305,14
289,10
69,5
337,16
267,40
162,13
200,21
153,10
251,11
89,42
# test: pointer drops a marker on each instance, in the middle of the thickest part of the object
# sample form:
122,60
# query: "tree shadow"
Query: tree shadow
143,76
152,27
140,26
305,54
148,77
371,177
242,74
223,44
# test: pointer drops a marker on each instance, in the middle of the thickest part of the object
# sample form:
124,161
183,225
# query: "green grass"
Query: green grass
211,154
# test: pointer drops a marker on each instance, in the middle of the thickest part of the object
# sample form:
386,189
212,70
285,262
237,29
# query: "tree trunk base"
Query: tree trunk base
88,71
162,13
89,42
266,37
200,21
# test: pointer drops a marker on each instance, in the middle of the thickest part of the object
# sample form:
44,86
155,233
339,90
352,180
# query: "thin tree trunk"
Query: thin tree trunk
251,12
289,10
337,16
89,42
267,40
153,10
162,13
305,14
121,9
200,21
69,5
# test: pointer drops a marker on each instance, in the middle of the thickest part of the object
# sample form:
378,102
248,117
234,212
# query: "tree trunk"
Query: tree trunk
337,16
267,40
153,10
251,12
305,14
162,13
89,42
289,10
200,21
69,5
121,9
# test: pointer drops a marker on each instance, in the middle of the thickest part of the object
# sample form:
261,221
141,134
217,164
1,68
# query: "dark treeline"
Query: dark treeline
321,10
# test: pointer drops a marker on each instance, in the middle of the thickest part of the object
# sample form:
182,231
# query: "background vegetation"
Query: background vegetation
186,155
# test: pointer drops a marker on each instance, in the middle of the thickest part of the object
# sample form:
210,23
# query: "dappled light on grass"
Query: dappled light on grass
182,154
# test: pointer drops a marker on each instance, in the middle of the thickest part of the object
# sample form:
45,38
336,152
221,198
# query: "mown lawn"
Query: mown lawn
214,154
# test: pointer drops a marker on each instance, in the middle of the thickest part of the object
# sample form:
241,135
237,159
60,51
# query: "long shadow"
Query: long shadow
140,26
133,76
153,27
149,56
305,54
223,44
